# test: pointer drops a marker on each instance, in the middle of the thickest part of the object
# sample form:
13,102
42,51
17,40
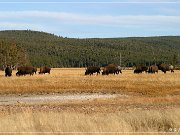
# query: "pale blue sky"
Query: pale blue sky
98,18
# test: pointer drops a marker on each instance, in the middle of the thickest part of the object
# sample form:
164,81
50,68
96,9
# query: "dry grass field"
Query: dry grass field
71,80
151,103
151,121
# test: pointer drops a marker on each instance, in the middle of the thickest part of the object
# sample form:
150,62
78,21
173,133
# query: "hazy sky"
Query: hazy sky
92,18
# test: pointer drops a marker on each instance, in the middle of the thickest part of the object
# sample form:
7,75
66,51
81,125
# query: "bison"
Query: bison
152,69
8,71
171,68
19,73
118,69
166,67
24,70
34,70
44,70
111,69
92,69
140,68
137,71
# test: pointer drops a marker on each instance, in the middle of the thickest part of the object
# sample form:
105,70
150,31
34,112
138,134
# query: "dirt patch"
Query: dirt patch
36,99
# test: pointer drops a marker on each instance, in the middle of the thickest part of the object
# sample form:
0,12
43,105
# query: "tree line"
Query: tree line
26,47
11,54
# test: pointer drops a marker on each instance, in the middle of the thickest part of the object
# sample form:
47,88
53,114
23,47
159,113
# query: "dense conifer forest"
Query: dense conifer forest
26,47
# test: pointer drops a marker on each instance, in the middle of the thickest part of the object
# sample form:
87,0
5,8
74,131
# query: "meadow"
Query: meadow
72,80
149,103
132,121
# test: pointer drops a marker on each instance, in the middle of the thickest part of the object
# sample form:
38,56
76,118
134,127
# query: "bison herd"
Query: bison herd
154,69
26,70
115,69
109,69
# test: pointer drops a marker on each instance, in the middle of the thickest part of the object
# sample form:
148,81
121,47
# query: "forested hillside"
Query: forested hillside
34,48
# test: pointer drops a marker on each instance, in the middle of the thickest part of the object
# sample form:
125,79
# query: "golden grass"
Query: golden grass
151,104
70,121
73,80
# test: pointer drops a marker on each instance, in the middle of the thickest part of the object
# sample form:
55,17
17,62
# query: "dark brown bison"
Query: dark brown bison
44,70
34,70
19,73
24,70
8,71
118,68
140,68
152,69
137,71
92,69
111,69
166,67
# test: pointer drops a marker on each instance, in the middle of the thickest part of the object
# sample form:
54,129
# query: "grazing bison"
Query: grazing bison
24,70
140,68
137,71
152,69
166,67
111,69
8,71
44,70
118,69
34,70
171,68
19,73
92,69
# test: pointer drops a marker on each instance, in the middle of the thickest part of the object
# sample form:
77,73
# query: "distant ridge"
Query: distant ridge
48,49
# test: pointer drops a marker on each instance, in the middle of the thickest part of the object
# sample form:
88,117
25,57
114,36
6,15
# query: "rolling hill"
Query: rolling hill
40,48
